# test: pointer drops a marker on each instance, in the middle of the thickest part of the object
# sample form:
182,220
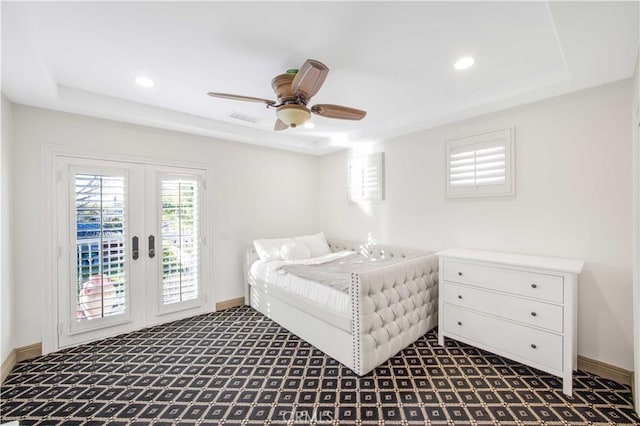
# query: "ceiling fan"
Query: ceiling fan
294,89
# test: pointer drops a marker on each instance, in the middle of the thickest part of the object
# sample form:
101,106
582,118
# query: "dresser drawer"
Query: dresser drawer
533,312
529,284
503,337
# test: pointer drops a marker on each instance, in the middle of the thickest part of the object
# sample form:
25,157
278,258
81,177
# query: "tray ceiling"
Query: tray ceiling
394,60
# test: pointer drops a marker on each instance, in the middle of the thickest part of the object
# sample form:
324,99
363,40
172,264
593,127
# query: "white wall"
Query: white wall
258,192
6,279
573,185
573,180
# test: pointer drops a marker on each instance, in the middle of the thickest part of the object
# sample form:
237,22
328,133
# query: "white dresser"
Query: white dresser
521,307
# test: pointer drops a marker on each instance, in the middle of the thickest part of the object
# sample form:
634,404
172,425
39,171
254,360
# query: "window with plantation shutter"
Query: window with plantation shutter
99,230
481,165
180,239
366,178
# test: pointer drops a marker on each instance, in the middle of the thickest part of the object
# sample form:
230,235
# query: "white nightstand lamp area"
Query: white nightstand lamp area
520,307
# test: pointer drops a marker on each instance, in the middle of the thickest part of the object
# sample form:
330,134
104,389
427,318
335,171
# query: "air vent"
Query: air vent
244,117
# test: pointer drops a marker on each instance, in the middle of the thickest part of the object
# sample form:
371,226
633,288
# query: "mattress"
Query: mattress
326,296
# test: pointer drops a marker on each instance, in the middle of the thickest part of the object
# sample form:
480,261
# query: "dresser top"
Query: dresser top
552,263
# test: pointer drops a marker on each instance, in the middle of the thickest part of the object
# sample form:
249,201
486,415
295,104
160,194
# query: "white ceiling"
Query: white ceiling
392,59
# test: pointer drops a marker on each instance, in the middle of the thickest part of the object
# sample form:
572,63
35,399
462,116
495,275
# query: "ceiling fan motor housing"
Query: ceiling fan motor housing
281,85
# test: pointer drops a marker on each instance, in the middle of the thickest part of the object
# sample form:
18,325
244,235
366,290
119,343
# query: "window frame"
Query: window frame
370,160
197,176
506,138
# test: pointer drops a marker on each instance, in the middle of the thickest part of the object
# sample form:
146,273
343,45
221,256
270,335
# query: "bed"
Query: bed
390,301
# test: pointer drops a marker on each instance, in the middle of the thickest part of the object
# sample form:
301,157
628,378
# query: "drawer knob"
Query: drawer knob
533,346
459,274
534,285
459,323
459,296
533,314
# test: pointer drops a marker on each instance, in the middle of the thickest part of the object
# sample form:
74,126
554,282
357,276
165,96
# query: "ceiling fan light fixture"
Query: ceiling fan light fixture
293,115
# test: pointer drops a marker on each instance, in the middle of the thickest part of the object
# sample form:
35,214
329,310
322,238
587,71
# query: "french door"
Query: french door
131,246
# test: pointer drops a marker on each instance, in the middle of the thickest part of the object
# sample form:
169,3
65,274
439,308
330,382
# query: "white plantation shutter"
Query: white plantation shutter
481,165
366,178
99,233
180,239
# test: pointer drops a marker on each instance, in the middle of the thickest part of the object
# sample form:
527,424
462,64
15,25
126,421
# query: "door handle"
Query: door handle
152,246
135,252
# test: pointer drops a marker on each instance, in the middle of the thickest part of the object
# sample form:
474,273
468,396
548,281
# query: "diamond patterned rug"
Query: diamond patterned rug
239,367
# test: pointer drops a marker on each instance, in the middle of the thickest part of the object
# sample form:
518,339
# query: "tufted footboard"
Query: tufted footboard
392,306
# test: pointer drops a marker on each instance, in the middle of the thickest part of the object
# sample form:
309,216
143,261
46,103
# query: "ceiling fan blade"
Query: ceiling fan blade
280,125
338,111
309,78
241,98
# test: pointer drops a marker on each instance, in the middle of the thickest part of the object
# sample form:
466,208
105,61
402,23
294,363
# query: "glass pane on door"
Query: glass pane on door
180,239
100,279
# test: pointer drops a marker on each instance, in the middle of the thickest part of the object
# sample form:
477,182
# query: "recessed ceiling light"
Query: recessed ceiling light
309,125
144,81
464,63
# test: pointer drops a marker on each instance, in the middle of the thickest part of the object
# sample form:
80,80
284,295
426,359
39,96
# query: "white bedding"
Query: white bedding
324,295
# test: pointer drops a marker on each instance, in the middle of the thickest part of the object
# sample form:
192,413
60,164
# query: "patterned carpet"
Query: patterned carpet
238,367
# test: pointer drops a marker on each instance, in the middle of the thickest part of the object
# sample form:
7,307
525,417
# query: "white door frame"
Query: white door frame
635,263
49,177
635,230
159,313
72,332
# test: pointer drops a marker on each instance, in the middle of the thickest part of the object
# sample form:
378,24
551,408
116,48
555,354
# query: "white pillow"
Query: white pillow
316,243
270,249
294,251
